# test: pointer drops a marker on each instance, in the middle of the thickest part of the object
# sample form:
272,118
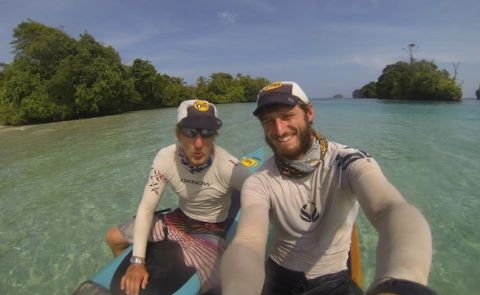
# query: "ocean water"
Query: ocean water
63,184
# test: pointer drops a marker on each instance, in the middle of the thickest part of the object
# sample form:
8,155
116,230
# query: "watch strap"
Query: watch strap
137,260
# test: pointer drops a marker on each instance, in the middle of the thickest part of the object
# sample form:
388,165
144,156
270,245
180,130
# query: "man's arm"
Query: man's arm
239,174
143,219
137,274
243,264
404,247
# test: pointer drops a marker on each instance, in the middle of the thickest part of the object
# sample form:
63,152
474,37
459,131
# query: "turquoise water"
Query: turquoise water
63,184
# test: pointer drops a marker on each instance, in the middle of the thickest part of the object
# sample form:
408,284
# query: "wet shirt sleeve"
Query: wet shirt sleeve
243,263
404,248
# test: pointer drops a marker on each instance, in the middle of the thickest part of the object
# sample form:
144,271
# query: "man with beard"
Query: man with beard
311,190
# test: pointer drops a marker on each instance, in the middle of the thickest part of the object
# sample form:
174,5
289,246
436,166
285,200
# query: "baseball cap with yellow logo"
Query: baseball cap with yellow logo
284,92
198,113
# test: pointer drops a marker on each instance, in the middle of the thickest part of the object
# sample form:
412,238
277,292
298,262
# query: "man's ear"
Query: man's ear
310,113
177,133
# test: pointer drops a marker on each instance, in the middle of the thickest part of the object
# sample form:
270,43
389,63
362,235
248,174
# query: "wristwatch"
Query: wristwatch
137,260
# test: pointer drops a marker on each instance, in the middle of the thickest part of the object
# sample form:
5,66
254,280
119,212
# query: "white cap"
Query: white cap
284,92
198,113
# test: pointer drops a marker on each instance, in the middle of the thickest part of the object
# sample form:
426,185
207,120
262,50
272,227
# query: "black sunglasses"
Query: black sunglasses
192,132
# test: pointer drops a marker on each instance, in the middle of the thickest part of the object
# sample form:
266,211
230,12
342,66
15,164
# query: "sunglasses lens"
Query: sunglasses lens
206,132
189,132
192,132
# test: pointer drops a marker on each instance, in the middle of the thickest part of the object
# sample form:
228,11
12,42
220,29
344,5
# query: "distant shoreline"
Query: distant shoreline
2,126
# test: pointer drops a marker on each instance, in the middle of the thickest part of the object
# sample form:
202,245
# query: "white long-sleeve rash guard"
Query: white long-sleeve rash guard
204,195
312,219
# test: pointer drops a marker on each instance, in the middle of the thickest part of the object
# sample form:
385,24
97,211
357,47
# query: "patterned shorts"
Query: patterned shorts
202,243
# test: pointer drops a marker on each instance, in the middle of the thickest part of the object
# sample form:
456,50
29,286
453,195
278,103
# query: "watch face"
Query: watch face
136,260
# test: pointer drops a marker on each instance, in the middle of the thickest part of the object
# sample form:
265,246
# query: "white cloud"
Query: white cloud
378,61
450,57
130,36
261,6
122,40
228,17
363,28
374,61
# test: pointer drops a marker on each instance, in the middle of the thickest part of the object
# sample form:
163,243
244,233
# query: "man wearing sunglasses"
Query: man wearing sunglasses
203,175
311,191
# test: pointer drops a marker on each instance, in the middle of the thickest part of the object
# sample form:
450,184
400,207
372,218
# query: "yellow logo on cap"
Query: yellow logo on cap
273,85
249,162
200,105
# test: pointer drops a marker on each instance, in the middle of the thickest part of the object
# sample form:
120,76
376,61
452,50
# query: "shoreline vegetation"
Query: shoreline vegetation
54,77
417,80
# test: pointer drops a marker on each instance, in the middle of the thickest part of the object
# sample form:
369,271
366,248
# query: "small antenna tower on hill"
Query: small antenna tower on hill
411,48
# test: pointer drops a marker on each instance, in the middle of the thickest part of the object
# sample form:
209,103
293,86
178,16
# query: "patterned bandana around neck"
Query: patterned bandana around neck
191,168
313,157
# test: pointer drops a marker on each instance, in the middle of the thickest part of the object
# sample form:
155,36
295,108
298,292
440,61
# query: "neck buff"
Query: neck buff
191,168
312,159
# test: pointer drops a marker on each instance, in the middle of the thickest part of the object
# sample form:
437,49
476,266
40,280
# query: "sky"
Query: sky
328,46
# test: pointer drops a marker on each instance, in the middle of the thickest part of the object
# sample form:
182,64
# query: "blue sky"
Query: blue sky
328,46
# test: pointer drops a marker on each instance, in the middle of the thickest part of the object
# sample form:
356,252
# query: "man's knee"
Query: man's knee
115,238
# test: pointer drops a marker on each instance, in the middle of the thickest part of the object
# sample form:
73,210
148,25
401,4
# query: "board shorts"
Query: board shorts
282,281
202,243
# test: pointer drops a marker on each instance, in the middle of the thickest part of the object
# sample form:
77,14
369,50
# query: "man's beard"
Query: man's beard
305,142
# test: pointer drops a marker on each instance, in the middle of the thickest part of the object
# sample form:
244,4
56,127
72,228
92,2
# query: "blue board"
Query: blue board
189,283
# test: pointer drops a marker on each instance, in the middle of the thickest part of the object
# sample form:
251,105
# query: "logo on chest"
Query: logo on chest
309,212
196,182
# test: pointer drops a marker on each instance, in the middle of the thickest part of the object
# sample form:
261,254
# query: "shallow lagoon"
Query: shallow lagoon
63,184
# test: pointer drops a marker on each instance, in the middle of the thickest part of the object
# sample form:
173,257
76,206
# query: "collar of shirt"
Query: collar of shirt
191,168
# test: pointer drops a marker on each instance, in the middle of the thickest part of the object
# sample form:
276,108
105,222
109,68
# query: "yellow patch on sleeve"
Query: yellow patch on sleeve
249,162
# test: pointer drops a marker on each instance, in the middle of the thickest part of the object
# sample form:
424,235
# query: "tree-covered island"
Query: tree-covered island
55,77
417,80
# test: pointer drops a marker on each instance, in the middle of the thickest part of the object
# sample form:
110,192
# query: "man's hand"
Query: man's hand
135,276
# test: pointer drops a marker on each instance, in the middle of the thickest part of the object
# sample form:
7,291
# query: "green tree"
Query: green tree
201,88
2,67
173,90
224,88
102,84
145,80
55,77
108,93
251,86
367,91
42,47
219,87
24,99
38,52
420,80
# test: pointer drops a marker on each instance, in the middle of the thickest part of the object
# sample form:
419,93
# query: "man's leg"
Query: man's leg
116,240
338,283
282,281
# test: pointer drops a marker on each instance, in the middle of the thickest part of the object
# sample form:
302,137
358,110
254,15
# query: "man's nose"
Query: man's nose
198,141
279,126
